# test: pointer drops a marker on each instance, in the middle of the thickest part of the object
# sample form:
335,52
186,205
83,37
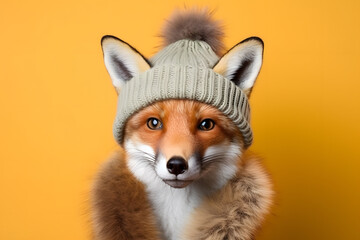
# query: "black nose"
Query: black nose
177,165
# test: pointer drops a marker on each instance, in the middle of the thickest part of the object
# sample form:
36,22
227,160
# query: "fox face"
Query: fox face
182,141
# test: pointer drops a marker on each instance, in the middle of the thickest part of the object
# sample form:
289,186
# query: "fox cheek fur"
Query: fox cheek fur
173,178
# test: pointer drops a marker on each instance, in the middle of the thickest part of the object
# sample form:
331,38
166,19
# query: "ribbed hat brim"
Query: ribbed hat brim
201,84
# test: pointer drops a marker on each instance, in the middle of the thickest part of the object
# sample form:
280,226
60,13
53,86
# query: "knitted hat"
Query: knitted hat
188,68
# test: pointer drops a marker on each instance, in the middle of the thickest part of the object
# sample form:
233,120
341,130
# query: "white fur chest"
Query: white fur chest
173,207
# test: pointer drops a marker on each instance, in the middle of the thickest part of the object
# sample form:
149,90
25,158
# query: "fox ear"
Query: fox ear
242,63
121,60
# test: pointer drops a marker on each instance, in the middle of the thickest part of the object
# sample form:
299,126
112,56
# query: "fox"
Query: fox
183,169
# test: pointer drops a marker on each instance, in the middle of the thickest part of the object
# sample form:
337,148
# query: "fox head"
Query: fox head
179,140
183,141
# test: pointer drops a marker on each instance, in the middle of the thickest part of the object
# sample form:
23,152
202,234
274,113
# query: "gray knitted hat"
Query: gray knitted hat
188,68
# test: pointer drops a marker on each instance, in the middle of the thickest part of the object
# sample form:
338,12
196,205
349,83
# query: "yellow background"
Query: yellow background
58,105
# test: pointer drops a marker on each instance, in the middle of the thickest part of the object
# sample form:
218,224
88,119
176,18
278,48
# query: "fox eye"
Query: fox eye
206,124
154,124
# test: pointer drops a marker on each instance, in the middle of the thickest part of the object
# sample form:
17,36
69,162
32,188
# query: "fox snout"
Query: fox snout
177,159
177,165
177,171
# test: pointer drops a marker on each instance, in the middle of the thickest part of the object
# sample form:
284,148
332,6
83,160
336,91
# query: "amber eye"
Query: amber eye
154,124
206,125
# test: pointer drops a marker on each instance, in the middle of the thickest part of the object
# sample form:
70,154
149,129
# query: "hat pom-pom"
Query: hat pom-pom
194,24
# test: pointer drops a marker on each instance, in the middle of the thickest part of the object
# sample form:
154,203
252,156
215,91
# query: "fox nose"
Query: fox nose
177,165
